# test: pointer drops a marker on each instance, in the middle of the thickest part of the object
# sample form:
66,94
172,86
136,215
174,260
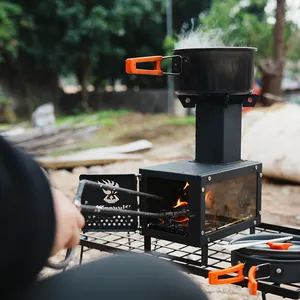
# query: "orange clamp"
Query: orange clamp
252,283
279,246
131,67
213,276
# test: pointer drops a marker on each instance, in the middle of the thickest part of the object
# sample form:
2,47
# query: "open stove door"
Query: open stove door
110,199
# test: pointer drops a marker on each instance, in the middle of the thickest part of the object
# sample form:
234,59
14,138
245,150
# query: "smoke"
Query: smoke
200,38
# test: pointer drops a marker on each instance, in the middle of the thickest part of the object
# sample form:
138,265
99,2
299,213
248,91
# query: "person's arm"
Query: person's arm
27,218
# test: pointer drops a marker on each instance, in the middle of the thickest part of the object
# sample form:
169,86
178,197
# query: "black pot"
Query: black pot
228,70
283,266
262,262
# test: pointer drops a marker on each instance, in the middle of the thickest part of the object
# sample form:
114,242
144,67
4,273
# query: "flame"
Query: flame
186,186
180,203
179,200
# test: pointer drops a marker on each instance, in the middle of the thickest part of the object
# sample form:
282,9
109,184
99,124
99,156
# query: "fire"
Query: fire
179,200
180,203
186,186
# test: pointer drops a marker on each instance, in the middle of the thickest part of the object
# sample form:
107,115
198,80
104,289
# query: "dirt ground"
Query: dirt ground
280,201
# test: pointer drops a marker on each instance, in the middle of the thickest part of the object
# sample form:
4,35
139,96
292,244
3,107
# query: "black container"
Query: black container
284,265
208,71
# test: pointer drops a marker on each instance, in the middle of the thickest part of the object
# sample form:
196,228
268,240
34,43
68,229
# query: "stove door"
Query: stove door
110,199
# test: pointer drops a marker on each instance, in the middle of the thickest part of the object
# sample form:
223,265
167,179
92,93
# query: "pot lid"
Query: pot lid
291,251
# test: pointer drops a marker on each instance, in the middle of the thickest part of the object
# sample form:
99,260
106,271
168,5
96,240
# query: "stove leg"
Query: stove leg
129,241
81,255
204,255
147,243
263,296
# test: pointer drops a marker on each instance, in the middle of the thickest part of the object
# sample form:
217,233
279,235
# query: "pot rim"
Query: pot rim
257,251
215,49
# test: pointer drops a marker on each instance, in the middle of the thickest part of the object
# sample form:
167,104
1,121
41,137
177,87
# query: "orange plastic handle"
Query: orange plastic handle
279,246
131,67
213,276
252,283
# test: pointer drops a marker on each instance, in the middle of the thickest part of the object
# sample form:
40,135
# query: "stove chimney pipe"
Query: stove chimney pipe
218,130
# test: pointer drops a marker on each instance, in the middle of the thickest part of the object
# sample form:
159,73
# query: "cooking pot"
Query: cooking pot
227,70
272,262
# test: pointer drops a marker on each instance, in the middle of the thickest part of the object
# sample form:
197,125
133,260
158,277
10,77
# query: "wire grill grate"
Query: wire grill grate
188,257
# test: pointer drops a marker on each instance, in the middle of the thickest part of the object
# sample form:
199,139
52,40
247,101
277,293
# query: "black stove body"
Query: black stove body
220,192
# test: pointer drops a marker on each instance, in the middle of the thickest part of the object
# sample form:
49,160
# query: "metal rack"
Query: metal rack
193,260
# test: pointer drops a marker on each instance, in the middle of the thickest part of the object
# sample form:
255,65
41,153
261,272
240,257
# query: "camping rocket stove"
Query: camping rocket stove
214,195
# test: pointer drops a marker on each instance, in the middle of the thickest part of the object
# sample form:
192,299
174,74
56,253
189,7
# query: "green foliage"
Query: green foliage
105,117
169,44
8,29
240,26
244,23
188,120
92,37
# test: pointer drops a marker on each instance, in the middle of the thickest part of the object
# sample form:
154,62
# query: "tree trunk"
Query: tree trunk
83,72
272,69
28,88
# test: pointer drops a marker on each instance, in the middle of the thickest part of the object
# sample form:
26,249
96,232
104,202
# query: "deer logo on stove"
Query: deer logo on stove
110,196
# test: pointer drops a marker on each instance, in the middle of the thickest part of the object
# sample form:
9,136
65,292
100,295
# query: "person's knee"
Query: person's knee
129,276
151,277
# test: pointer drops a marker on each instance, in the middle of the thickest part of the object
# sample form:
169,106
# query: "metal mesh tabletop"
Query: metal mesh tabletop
189,258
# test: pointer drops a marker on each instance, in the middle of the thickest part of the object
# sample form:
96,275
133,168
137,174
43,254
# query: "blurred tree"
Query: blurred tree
90,38
40,40
272,68
186,13
89,29
240,27
142,33
8,29
31,75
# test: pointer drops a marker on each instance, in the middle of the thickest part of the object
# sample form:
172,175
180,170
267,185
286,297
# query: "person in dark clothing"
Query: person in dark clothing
38,221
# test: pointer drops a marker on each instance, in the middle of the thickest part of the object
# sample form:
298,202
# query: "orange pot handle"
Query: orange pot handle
213,276
131,67
252,283
252,279
280,246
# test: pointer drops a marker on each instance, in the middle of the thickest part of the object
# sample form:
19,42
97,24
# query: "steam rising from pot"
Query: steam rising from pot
201,38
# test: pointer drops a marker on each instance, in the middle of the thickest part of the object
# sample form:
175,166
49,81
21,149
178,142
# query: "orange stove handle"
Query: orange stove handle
131,67
252,283
213,276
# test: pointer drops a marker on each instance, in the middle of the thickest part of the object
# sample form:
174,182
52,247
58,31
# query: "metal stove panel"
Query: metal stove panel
110,199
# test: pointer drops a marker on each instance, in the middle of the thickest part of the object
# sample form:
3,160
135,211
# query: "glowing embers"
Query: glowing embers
176,200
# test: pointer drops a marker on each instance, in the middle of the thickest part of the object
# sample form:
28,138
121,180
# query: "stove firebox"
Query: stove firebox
217,193
219,200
